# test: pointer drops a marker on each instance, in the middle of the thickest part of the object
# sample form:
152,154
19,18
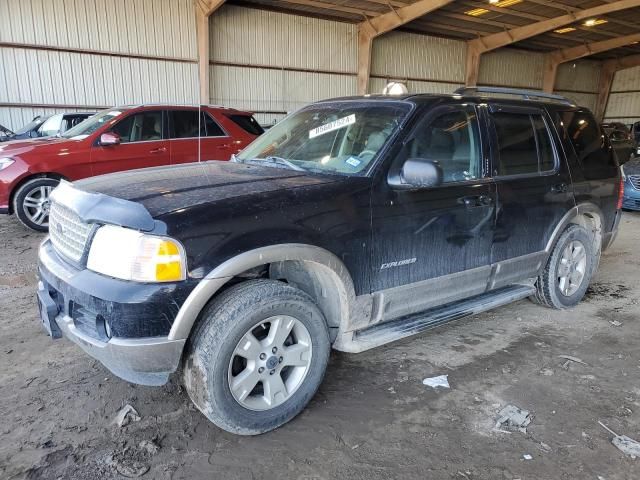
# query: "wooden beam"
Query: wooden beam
555,58
607,74
501,39
378,25
203,10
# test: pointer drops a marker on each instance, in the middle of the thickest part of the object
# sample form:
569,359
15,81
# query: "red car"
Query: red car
121,138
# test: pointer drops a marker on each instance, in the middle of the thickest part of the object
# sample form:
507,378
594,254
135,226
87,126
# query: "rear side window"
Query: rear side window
247,123
212,128
185,124
524,144
588,140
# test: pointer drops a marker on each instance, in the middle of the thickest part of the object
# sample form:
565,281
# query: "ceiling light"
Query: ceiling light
476,12
493,2
505,3
565,30
592,22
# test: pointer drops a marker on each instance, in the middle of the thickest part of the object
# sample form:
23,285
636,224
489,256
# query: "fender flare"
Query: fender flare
575,212
218,277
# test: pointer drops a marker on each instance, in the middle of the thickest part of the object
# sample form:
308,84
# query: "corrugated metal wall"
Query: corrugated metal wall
273,63
511,67
94,53
624,101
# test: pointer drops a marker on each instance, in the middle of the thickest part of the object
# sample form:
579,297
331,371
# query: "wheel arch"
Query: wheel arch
29,177
313,269
589,216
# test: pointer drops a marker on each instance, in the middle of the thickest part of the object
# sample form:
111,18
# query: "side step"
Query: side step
413,324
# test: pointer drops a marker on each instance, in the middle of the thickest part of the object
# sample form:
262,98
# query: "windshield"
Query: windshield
340,137
32,125
90,125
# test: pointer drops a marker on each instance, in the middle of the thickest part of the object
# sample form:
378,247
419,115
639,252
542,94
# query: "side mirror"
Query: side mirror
109,138
420,173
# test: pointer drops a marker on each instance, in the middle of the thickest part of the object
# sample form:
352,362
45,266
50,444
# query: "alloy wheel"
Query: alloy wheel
572,268
36,205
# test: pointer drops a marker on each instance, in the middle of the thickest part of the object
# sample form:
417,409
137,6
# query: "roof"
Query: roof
468,20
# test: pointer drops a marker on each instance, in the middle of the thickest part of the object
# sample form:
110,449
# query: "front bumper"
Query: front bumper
73,303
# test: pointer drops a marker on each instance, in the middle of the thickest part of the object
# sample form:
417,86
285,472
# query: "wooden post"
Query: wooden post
607,72
203,10
472,70
550,72
365,44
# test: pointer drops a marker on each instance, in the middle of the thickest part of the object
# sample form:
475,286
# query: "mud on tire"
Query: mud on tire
212,359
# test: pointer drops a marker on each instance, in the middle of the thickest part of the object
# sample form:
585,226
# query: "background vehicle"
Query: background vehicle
622,141
5,134
116,139
352,223
49,125
631,176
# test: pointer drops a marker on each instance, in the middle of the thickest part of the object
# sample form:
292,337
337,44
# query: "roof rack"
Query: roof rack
525,94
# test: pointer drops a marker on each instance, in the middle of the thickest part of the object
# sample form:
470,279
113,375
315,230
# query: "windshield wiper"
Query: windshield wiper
271,161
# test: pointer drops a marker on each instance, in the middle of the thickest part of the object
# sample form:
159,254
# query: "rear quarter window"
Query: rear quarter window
247,123
589,142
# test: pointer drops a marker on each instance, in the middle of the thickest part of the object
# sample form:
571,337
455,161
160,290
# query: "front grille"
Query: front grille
69,234
635,181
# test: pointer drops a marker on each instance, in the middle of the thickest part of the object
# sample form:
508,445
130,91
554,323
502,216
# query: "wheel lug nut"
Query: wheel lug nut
272,372
261,369
263,356
280,360
274,350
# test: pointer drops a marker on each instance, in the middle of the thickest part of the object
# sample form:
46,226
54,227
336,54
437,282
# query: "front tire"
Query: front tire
31,203
257,356
569,269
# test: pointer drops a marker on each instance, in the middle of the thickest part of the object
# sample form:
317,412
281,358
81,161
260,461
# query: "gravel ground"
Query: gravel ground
372,418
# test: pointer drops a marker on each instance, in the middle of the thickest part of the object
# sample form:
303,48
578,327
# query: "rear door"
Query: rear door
534,190
432,245
142,144
195,136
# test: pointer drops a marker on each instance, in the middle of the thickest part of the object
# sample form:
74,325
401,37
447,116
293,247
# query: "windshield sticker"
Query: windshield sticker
331,126
354,162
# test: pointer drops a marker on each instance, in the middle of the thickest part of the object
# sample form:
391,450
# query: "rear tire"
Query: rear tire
257,356
569,269
31,203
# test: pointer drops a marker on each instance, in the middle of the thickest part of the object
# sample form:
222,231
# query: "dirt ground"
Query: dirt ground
372,418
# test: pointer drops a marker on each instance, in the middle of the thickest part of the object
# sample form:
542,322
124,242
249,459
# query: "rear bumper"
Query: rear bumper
81,303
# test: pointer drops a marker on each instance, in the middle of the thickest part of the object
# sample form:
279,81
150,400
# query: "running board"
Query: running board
413,324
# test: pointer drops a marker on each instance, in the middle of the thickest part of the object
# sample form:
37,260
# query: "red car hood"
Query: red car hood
41,145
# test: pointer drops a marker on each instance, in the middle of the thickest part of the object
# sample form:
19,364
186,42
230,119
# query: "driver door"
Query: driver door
432,245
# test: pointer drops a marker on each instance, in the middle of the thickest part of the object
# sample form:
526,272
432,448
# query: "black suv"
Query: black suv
352,223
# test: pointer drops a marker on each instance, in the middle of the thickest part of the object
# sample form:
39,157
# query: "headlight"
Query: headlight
5,162
131,255
624,176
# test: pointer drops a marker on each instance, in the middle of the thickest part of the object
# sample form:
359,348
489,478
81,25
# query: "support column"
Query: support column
472,69
365,44
203,10
550,73
607,73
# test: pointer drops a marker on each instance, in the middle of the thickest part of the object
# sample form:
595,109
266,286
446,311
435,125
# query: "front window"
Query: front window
86,128
340,137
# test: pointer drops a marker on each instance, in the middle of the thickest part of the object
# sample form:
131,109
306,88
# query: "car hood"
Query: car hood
632,167
166,189
48,144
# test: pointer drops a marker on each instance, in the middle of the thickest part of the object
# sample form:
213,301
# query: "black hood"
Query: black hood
165,189
632,167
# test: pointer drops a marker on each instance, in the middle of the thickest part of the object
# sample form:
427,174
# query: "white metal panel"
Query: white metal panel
623,104
63,78
628,79
258,37
275,90
582,75
145,27
511,68
407,55
587,100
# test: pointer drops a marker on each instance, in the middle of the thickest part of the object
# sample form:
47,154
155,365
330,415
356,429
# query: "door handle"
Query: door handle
158,150
559,188
476,201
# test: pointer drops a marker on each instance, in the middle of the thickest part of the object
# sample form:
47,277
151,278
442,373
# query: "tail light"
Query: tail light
620,193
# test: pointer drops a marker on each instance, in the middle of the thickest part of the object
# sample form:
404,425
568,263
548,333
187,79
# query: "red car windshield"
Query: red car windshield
90,125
